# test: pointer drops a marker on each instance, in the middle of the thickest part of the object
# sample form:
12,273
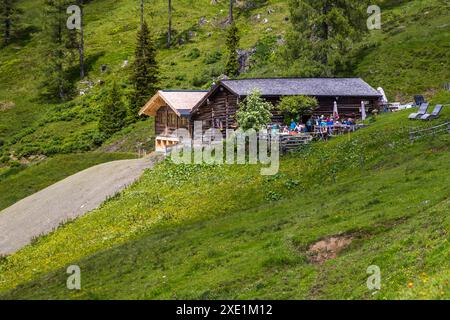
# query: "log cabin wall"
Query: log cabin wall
167,121
347,106
219,110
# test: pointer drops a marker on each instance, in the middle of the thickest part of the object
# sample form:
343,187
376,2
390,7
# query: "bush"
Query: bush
5,159
264,49
193,54
14,164
254,112
298,105
180,77
200,81
213,57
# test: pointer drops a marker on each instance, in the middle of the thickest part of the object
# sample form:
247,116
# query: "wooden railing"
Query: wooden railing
439,129
293,142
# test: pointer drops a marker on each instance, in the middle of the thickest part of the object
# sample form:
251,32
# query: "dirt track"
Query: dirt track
74,196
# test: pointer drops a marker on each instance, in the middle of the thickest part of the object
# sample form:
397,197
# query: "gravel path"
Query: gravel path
72,197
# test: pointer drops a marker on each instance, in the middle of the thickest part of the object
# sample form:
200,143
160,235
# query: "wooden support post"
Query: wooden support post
167,120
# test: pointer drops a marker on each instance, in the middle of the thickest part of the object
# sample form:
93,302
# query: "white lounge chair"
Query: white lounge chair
437,110
422,110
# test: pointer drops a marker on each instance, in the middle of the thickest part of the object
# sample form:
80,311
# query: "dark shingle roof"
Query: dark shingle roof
302,86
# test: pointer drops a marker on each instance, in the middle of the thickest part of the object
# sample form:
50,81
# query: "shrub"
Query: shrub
213,57
200,81
264,49
180,77
5,159
14,164
254,112
273,196
298,105
193,54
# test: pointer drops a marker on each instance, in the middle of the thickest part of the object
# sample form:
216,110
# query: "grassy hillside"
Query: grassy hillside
31,127
228,232
409,55
19,182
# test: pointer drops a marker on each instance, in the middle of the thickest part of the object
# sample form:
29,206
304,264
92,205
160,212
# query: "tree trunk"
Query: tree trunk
142,14
230,17
81,45
169,32
60,55
7,22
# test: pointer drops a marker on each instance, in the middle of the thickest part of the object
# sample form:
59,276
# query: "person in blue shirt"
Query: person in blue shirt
309,125
293,125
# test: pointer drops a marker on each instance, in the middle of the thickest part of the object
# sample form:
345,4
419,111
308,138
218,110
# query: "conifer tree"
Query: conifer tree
9,14
145,76
56,83
76,40
232,42
323,34
113,113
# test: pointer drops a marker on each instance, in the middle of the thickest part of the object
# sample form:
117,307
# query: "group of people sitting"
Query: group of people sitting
329,121
294,128
325,122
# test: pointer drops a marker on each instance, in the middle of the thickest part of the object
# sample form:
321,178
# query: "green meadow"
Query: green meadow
226,232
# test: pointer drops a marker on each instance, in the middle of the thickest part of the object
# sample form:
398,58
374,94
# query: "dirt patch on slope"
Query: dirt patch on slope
328,248
6,105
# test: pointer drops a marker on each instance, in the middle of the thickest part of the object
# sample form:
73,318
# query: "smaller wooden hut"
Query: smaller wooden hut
171,109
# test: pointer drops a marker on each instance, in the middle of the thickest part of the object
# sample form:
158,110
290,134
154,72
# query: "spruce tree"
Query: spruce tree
232,42
9,14
323,34
56,84
75,41
145,76
113,113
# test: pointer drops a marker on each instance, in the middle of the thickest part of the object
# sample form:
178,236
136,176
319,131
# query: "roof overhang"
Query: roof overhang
180,101
222,84
154,104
